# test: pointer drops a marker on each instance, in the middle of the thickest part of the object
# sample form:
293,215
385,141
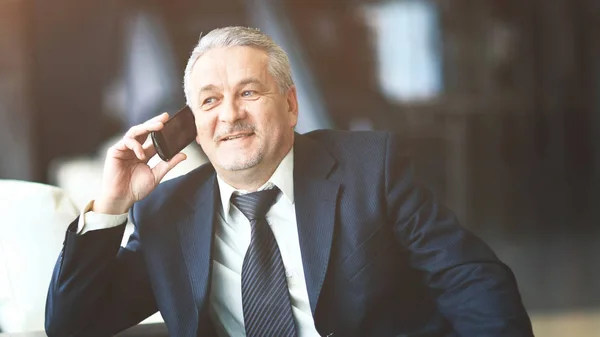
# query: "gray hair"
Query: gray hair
279,63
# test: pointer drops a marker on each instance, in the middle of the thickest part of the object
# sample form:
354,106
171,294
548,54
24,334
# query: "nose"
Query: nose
231,111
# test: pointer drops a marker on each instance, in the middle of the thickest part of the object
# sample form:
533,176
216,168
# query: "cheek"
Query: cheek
266,112
205,127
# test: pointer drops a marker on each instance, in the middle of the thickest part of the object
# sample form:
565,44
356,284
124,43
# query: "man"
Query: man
281,235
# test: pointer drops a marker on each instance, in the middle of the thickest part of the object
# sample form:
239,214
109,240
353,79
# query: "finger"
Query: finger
120,150
149,148
135,146
119,146
162,168
163,117
141,131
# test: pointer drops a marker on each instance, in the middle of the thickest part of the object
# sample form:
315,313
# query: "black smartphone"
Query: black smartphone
179,131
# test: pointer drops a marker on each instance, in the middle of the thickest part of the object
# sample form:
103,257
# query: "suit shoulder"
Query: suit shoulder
348,138
359,143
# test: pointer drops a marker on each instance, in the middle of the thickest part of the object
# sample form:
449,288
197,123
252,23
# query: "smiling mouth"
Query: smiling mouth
238,136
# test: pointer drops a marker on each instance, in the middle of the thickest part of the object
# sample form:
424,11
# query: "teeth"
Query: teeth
234,137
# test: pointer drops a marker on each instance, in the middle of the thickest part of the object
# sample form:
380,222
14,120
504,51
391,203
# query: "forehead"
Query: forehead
225,66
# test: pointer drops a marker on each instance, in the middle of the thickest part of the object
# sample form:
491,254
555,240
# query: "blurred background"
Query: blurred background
499,99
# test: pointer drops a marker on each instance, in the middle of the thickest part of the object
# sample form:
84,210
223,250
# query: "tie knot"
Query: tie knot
256,204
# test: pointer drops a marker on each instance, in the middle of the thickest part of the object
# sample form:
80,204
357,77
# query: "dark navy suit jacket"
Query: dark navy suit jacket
381,256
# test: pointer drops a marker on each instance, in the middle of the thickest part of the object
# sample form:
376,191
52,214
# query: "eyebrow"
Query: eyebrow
249,80
246,81
208,87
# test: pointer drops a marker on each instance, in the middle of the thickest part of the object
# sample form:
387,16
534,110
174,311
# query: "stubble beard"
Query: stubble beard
238,163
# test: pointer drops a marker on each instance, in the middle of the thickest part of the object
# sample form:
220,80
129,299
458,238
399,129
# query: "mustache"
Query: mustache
237,127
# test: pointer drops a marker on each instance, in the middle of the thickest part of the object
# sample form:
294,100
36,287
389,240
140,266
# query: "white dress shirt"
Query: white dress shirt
232,238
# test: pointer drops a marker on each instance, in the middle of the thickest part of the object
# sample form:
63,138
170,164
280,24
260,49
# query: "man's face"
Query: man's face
242,118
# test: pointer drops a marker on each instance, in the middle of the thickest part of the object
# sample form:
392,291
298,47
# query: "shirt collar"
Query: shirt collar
283,178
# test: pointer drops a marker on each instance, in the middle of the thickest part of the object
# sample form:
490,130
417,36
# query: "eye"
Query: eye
209,100
248,93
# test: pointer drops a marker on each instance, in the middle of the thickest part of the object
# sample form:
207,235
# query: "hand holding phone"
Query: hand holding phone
127,178
178,132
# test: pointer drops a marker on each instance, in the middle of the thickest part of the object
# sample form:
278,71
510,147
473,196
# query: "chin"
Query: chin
239,164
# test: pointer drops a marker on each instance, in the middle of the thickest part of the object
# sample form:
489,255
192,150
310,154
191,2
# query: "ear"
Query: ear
292,105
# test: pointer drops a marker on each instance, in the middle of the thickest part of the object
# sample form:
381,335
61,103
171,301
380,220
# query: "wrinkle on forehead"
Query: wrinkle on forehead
225,67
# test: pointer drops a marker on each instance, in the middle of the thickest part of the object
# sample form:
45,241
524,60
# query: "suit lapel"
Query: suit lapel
196,232
316,201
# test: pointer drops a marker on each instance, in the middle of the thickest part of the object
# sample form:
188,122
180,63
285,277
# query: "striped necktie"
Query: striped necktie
265,296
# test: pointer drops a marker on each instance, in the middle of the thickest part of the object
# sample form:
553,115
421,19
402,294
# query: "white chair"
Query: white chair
34,220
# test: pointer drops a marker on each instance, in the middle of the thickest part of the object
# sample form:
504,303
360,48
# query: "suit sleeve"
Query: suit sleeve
474,290
98,288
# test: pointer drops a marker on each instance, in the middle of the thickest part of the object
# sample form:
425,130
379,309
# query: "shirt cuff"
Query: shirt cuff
91,221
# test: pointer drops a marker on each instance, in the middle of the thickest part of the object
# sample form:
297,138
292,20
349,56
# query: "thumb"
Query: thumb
162,168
